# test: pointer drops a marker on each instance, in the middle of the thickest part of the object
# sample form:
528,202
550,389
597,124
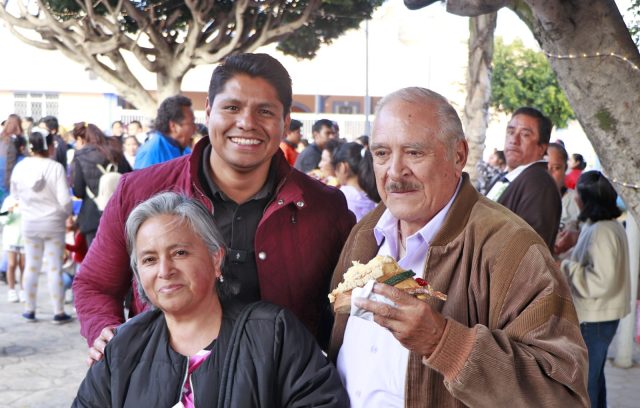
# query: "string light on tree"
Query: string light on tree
624,183
596,55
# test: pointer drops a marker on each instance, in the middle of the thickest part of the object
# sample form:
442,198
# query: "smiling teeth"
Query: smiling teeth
243,141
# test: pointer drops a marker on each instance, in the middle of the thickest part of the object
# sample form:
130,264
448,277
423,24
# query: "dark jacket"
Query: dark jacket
297,242
534,196
8,160
278,365
60,152
85,173
309,159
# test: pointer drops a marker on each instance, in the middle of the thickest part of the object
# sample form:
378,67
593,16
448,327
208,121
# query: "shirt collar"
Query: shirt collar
513,174
264,192
387,227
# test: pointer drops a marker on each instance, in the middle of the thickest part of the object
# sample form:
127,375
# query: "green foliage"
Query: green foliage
523,77
331,20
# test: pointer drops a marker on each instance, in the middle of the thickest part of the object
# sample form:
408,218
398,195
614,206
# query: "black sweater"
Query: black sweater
279,365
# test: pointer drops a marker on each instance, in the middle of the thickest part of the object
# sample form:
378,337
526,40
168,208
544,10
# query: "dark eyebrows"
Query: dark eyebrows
525,128
226,101
268,105
170,248
261,105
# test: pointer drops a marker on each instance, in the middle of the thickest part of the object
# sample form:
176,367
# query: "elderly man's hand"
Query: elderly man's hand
413,322
96,352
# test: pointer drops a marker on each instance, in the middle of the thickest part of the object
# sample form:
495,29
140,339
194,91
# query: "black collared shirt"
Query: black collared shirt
238,224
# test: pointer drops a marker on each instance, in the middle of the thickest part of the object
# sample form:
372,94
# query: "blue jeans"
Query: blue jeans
597,337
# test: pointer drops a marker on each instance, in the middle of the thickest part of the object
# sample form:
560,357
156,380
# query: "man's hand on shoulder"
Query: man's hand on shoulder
96,352
412,321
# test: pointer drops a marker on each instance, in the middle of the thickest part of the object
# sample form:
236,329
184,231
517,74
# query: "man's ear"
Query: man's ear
207,110
542,150
287,122
460,155
173,128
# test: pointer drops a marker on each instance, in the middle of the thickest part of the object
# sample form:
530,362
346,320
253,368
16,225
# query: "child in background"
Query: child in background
13,245
76,249
12,232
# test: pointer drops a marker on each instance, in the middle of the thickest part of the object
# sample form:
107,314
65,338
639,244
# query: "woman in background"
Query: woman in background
130,147
598,273
576,166
12,242
353,166
325,171
39,184
8,153
92,149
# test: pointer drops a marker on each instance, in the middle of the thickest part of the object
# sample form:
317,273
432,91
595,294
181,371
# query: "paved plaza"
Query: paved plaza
42,364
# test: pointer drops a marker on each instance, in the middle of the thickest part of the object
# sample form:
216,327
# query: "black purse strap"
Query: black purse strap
231,359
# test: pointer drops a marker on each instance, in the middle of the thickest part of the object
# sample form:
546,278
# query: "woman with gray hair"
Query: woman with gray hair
187,350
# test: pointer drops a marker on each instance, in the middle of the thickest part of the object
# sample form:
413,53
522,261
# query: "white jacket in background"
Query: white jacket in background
40,185
598,272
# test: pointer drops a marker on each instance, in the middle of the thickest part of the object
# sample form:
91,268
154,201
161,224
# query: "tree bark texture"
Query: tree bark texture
604,90
596,61
478,85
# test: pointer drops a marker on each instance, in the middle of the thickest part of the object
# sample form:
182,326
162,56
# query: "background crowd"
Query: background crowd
55,183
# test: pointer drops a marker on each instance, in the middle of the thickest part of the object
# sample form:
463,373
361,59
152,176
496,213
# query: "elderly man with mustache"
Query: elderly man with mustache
508,333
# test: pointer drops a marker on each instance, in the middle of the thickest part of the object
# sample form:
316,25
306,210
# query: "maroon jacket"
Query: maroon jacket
297,243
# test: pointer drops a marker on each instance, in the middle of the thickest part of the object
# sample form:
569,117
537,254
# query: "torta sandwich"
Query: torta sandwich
382,269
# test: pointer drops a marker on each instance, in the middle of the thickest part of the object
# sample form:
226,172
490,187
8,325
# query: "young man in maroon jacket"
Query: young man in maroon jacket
283,230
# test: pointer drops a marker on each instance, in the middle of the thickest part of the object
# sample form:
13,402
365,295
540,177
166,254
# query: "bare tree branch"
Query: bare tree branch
167,39
35,43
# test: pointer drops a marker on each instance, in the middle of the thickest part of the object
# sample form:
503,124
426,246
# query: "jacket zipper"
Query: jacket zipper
203,196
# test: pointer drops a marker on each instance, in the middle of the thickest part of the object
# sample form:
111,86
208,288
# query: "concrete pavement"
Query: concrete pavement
42,364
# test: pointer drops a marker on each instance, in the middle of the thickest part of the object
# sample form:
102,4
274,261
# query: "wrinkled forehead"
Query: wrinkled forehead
405,122
161,226
526,122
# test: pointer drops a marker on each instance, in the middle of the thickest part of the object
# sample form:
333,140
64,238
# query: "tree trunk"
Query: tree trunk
169,85
603,89
140,98
597,64
476,108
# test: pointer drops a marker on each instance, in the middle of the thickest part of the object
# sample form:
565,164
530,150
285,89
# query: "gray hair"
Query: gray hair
448,120
187,210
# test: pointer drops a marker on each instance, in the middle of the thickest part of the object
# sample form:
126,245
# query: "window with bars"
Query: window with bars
35,104
346,107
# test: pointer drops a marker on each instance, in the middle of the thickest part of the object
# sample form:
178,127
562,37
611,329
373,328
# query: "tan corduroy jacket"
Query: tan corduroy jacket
512,338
